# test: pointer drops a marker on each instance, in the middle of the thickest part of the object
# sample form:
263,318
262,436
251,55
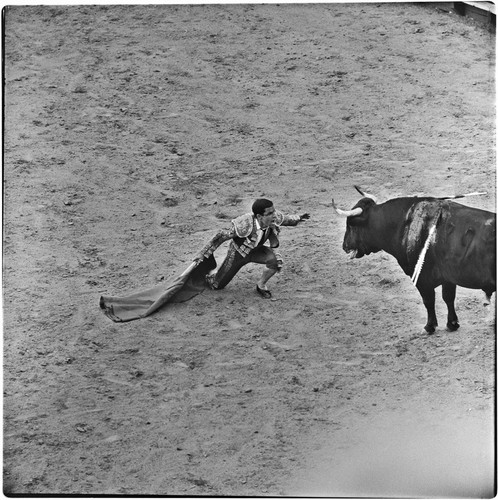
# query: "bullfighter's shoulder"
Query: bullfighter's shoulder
243,225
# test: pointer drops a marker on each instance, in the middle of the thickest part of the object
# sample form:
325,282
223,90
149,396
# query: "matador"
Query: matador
249,233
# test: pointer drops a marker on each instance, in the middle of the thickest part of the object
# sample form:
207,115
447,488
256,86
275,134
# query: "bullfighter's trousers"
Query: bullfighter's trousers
234,261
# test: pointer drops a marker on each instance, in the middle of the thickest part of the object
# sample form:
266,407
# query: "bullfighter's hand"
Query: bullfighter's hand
304,217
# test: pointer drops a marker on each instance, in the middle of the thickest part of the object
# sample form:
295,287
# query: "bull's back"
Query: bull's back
466,247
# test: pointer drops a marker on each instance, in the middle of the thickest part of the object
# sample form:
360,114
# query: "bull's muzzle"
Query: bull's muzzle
352,254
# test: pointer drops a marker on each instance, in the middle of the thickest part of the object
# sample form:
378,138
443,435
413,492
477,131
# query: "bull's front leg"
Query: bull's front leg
429,297
449,293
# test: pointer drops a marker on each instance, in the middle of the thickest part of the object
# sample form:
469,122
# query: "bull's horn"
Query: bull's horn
347,213
365,194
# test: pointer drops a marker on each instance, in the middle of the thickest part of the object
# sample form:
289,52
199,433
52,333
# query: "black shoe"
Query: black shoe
266,294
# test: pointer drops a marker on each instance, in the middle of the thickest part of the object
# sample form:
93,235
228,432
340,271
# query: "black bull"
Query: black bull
461,252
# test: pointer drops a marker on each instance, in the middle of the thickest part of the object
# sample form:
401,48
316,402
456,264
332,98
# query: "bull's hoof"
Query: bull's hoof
452,326
430,329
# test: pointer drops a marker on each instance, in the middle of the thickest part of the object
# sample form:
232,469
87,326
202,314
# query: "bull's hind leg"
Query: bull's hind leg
429,297
449,293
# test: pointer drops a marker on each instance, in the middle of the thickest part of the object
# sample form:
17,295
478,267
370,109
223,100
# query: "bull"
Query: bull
435,240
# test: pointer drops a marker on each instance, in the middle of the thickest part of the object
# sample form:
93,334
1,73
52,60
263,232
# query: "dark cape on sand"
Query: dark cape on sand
141,304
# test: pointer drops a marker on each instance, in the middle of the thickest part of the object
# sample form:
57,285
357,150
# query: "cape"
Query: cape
143,303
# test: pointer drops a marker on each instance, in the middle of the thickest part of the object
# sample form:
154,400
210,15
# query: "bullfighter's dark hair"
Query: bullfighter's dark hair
260,205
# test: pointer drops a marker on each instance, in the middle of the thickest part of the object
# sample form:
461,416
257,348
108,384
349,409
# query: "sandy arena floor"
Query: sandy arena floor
132,134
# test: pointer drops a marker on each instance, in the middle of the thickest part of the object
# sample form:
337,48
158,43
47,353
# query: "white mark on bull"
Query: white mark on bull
420,261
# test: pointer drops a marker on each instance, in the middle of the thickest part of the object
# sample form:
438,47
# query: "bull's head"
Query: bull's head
358,240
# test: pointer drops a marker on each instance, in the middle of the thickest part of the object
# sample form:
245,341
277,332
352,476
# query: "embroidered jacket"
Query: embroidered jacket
244,233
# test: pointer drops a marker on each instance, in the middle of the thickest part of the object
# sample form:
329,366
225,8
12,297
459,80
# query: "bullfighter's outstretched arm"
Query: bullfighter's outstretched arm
289,220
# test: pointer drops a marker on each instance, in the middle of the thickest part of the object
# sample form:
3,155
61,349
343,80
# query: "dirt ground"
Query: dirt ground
134,133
